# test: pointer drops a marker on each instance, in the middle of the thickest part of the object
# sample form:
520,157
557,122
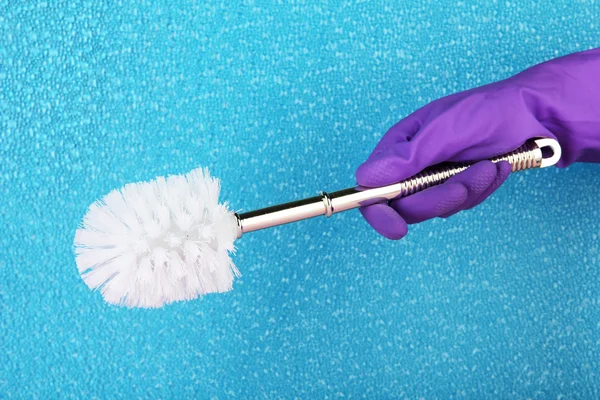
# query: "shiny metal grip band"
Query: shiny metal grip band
528,156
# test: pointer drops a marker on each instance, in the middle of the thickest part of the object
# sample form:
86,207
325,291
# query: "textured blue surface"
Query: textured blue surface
281,101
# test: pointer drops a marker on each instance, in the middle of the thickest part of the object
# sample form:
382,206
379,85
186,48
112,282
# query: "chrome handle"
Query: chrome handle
528,156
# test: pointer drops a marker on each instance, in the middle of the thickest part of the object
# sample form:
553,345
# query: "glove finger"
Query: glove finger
431,203
385,221
477,179
402,160
504,169
396,163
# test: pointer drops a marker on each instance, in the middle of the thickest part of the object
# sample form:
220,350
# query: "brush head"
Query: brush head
152,243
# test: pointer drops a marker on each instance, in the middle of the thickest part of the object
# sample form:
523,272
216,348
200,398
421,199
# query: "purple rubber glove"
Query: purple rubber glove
558,99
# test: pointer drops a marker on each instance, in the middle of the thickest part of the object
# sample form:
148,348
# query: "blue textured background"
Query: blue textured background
281,101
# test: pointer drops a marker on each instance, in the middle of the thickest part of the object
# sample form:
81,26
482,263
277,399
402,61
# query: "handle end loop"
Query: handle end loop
552,145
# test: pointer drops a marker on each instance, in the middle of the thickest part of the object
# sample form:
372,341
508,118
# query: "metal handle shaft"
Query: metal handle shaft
528,156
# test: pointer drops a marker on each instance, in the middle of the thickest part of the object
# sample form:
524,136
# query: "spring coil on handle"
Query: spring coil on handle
525,157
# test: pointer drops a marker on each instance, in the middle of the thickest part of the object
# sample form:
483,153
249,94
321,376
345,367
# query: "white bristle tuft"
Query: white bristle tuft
153,243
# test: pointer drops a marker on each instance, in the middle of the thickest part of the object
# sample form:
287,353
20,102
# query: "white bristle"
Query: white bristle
153,243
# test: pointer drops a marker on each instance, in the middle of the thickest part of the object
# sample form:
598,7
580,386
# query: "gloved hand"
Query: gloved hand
557,99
